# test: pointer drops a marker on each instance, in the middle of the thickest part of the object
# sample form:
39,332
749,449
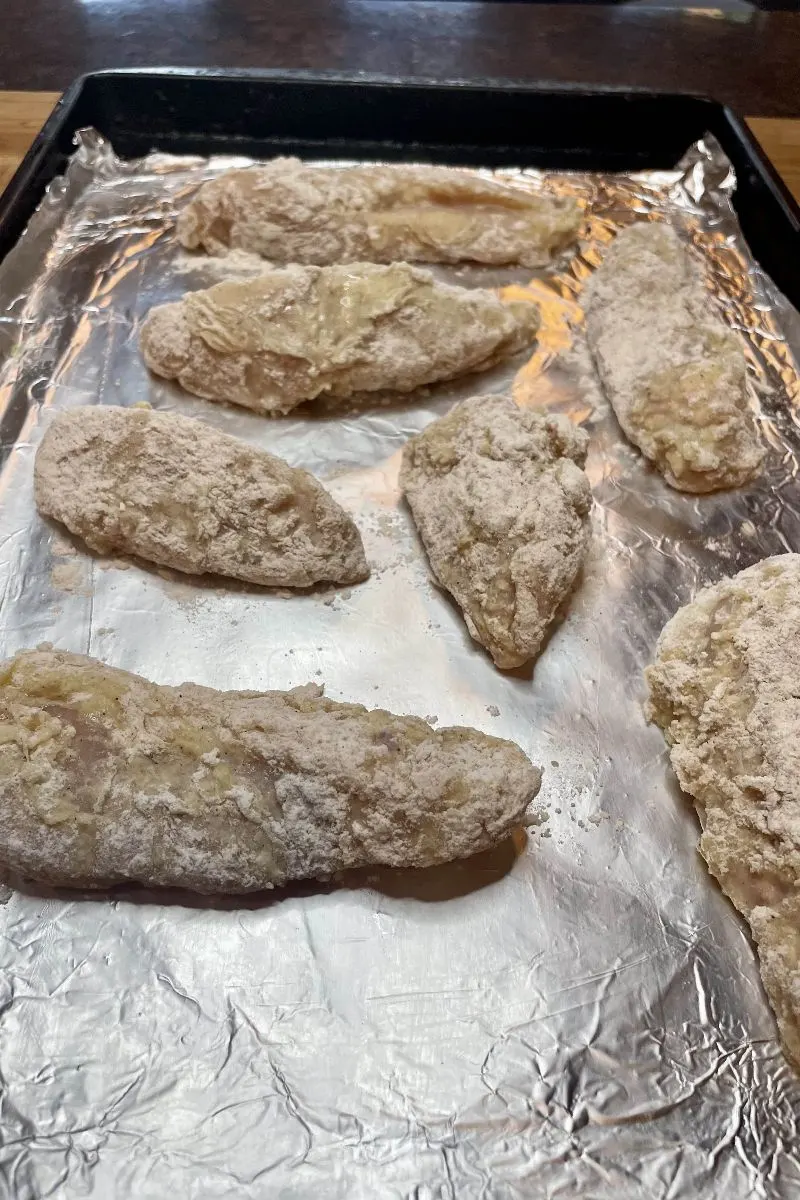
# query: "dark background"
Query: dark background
737,52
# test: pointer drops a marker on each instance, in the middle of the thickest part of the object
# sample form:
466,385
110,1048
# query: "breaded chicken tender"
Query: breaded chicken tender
674,372
177,492
289,335
502,506
725,689
107,778
289,212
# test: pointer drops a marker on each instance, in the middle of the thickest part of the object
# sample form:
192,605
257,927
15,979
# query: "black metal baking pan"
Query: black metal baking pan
330,116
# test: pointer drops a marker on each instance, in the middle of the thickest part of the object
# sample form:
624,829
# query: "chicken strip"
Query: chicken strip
289,335
502,505
289,212
105,778
724,689
673,371
176,492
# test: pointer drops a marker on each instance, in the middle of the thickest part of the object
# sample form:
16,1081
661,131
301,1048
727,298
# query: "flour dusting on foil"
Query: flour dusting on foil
578,1013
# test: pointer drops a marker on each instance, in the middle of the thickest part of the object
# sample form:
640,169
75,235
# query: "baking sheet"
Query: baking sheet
578,1014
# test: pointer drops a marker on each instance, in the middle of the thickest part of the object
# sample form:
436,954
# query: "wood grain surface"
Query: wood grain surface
23,113
781,140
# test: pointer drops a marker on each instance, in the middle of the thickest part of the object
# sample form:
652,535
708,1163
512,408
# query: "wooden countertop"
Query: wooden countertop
23,113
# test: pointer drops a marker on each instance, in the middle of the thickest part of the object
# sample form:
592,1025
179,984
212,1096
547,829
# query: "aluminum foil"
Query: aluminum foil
579,1014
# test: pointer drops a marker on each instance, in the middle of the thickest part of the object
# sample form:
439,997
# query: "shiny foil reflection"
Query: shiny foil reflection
577,1013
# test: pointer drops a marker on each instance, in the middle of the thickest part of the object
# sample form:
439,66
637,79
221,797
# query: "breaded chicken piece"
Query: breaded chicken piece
725,689
673,371
289,335
289,212
502,506
105,778
176,492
